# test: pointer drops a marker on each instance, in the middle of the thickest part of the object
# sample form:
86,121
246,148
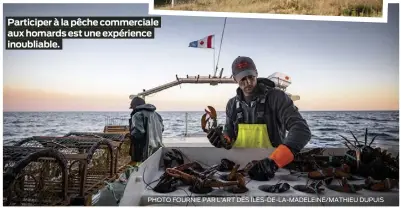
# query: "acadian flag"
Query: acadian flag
206,42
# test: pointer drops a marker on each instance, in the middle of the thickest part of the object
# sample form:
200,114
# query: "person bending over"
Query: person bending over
258,117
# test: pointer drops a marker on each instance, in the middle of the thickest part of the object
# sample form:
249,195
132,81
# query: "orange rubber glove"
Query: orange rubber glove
265,169
282,156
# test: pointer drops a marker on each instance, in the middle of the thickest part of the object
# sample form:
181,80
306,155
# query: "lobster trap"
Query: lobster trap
89,160
34,176
119,140
116,129
116,125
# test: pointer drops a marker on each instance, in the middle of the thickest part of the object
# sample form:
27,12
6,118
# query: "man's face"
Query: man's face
247,84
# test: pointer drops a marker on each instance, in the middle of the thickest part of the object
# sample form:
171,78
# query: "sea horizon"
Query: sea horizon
325,126
173,111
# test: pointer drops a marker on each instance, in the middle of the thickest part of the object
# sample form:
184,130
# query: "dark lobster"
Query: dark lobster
367,161
235,172
380,185
321,174
346,187
308,161
167,183
199,184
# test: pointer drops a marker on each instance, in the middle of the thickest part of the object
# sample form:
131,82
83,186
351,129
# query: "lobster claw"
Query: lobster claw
210,114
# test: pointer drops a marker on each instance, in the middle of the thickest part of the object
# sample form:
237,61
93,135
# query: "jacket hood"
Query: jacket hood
263,84
148,107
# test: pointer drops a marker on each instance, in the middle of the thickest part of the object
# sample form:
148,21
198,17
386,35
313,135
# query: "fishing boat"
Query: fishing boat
140,188
84,168
282,81
91,168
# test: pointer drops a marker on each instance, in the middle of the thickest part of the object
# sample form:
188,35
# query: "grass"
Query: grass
360,8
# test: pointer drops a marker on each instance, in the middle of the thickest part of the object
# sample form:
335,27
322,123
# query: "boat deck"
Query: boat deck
193,141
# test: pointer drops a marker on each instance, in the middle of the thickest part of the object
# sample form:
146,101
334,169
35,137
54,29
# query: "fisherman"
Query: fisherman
146,128
258,117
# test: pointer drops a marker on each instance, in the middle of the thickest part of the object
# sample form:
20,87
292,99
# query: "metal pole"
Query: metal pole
214,61
186,123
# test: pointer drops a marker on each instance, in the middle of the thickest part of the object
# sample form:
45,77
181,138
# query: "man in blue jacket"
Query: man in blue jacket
258,117
146,128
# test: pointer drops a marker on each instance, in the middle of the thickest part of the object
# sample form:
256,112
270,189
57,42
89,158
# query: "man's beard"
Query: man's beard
248,89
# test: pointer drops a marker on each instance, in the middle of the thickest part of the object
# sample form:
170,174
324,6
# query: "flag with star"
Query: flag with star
206,42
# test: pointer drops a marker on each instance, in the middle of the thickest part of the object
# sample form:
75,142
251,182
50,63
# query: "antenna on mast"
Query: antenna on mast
221,72
221,42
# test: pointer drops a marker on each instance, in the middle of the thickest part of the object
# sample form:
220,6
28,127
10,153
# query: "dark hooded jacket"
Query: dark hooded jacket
282,116
146,129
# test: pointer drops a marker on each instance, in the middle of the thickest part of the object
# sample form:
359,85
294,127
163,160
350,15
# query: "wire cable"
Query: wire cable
221,43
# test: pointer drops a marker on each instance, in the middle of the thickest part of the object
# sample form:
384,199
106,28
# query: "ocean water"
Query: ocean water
326,126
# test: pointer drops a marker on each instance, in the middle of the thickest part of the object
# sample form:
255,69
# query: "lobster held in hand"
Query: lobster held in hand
210,115
214,131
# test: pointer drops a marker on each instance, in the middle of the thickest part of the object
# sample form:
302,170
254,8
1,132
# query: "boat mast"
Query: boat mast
221,43
212,80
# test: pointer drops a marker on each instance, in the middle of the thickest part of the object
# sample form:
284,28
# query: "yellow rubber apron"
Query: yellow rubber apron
252,136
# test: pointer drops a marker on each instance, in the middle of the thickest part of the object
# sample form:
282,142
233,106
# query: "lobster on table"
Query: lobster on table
235,172
345,186
361,159
321,174
259,176
226,165
313,160
315,187
202,174
380,185
276,188
366,161
205,183
167,183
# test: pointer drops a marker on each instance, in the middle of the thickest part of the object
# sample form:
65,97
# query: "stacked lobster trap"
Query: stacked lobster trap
62,170
120,141
34,176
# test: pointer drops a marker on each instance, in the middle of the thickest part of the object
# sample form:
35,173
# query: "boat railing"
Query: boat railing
116,121
120,124
186,124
